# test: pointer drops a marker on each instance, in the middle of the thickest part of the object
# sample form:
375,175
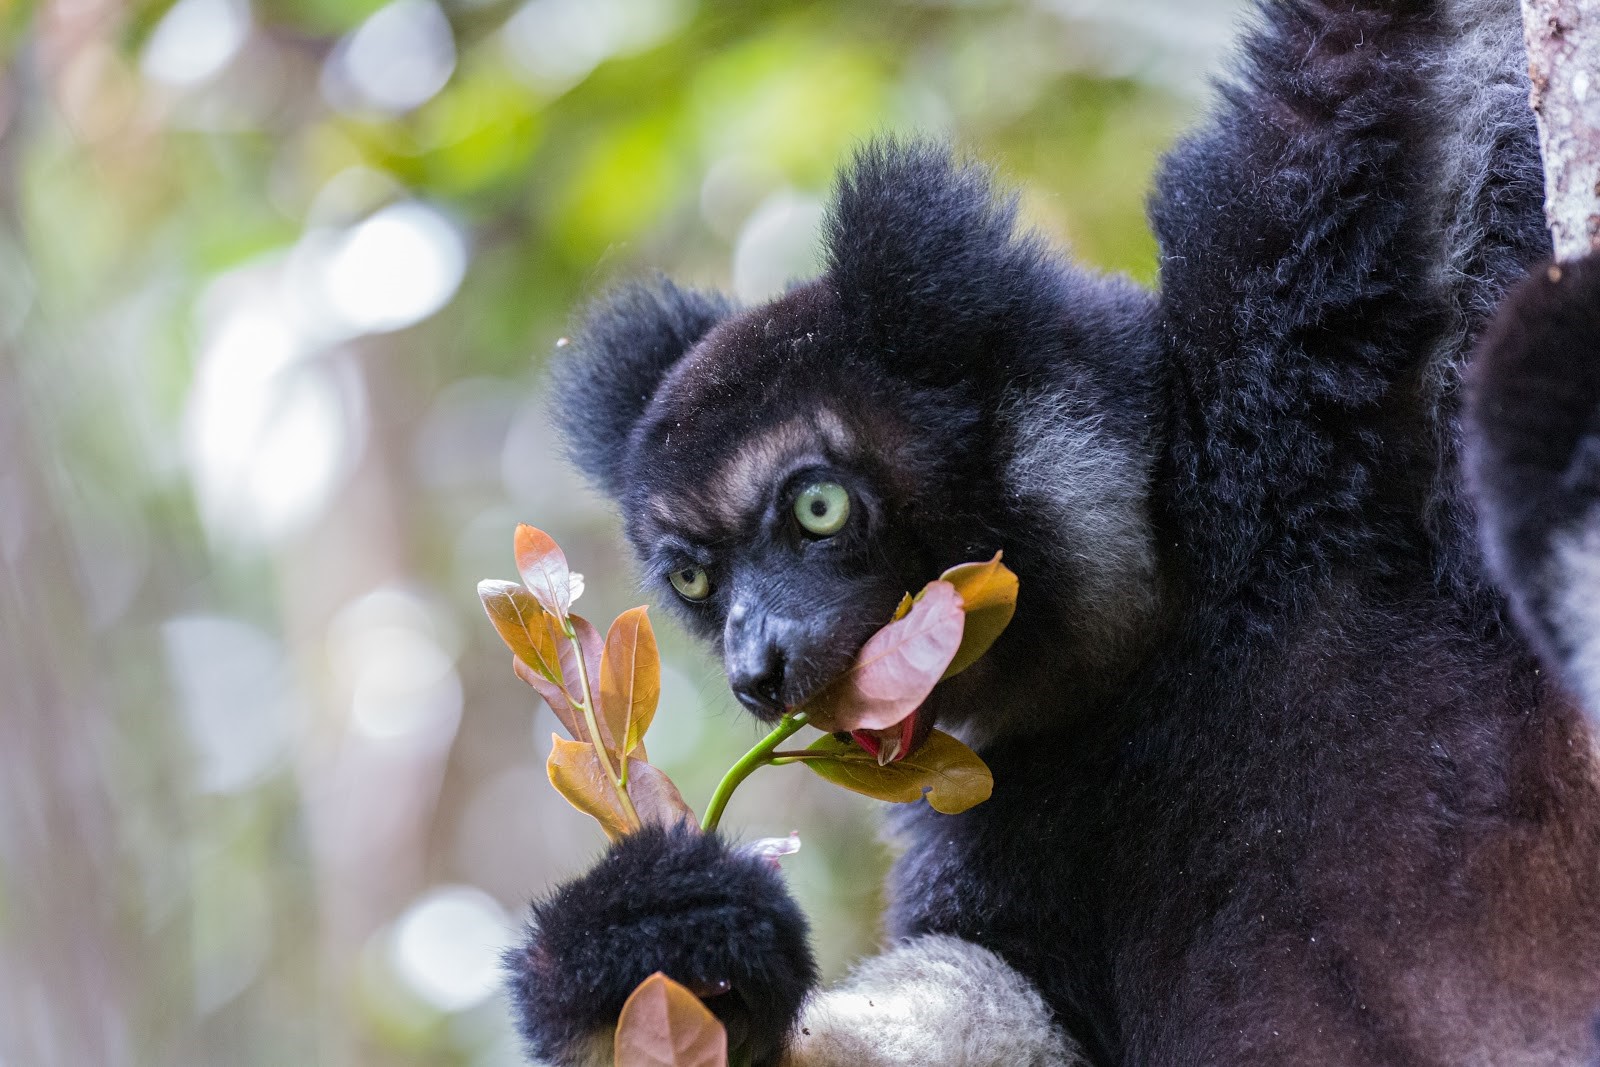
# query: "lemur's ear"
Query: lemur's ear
628,341
1533,456
926,258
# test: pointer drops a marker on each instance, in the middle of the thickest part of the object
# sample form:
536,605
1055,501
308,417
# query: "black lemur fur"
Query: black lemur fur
1275,780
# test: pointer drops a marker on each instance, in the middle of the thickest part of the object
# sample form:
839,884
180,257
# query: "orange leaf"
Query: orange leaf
575,771
520,622
564,682
897,668
664,1025
630,678
989,597
593,653
543,567
953,776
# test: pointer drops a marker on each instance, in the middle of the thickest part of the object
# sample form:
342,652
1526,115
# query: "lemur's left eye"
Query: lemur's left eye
692,583
822,508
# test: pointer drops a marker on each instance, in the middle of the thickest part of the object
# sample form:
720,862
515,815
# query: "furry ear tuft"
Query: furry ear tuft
628,341
922,250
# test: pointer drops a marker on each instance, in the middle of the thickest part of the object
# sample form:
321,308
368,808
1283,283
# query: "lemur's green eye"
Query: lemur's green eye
822,508
692,583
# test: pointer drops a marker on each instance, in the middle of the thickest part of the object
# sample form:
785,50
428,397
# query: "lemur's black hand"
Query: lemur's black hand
663,900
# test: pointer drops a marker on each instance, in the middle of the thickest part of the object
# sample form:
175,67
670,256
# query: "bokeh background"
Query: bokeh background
278,284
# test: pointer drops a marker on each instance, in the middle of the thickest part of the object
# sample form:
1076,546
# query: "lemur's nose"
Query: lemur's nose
757,678
755,663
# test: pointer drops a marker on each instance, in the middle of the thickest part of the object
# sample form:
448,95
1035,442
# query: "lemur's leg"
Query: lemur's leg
1331,243
931,1000
1534,461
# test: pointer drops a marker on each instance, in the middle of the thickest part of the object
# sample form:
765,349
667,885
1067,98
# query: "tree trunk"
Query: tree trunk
1563,38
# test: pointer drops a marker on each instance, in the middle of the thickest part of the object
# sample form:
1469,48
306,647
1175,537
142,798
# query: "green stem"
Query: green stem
787,727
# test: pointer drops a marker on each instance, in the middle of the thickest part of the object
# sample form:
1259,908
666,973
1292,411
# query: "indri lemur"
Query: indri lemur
1277,778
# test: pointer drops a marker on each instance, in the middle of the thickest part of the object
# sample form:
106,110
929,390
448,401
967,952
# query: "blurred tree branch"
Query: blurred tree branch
1563,39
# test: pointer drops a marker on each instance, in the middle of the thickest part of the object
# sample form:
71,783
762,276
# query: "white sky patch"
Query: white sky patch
556,43
778,244
447,946
397,658
194,41
397,60
393,269
271,430
232,687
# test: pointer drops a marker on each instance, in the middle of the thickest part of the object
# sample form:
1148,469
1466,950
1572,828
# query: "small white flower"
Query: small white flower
574,586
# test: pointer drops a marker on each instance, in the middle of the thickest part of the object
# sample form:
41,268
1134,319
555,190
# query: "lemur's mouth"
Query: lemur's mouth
895,743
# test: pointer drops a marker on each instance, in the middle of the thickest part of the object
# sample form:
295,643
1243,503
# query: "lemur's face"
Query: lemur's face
945,389
765,500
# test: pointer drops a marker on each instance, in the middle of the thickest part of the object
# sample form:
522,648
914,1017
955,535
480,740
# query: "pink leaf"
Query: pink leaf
897,668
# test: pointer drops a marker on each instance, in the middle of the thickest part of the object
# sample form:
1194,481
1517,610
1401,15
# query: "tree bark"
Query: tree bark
1563,39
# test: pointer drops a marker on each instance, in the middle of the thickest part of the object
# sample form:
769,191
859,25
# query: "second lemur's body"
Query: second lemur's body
1275,779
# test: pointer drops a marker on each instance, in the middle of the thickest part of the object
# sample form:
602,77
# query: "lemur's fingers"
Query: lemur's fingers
933,1000
1534,461
672,900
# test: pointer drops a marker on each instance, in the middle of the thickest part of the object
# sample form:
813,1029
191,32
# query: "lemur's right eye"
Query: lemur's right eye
692,583
822,508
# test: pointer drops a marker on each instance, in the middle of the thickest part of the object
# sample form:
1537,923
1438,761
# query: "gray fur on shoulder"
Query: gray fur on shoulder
934,1001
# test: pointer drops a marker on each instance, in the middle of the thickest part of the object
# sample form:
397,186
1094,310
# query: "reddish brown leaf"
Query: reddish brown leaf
630,678
543,567
556,697
989,597
953,775
520,622
654,796
575,771
593,652
664,1025
897,668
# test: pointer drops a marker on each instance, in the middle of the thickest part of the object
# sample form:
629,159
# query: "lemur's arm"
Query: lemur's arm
1318,286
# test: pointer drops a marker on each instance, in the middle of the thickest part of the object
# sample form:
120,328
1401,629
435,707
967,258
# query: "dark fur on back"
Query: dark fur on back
1275,781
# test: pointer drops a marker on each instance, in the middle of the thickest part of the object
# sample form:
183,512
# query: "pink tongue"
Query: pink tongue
891,744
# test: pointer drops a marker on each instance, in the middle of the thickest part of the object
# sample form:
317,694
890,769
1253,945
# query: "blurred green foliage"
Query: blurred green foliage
263,757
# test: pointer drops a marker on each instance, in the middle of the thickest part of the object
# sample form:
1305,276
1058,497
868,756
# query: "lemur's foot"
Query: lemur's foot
1534,461
675,900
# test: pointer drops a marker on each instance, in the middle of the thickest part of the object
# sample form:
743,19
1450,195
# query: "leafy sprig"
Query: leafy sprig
605,692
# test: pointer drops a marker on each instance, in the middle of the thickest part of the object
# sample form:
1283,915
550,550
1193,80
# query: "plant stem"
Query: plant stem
619,781
787,727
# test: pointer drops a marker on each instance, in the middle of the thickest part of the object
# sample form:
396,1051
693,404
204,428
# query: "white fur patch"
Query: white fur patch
1576,606
933,1002
1095,488
1479,95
